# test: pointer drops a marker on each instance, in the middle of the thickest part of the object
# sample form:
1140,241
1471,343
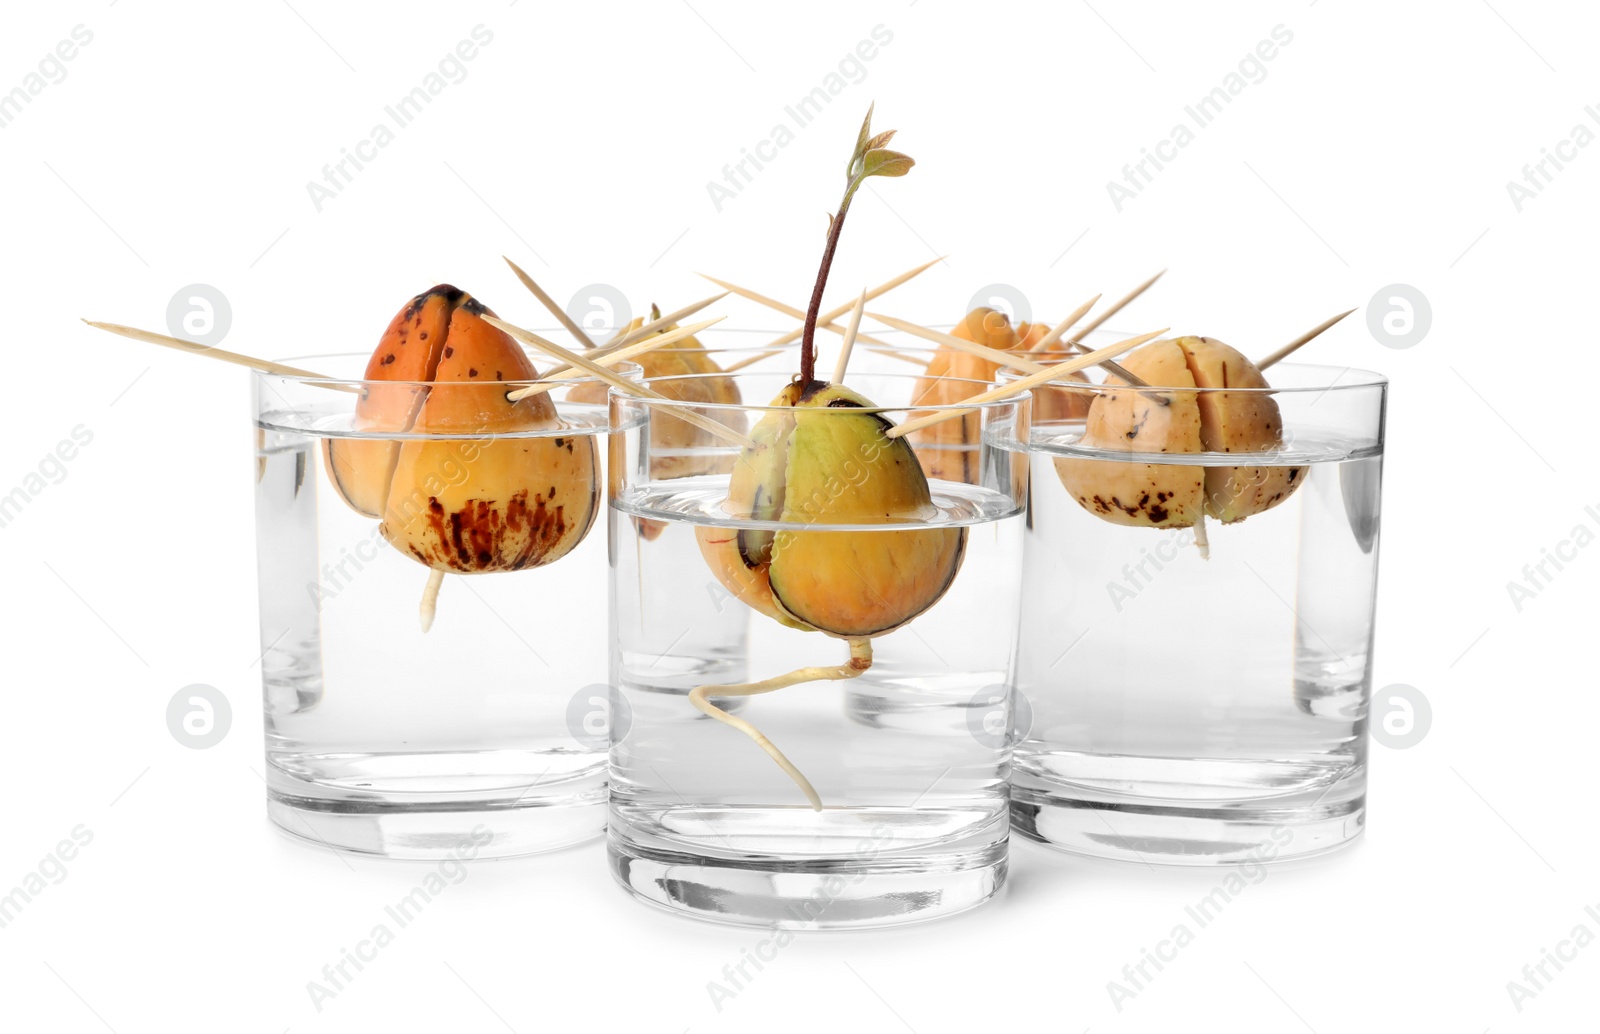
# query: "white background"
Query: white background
1375,151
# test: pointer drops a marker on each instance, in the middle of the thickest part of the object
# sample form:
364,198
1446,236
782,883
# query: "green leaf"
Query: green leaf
880,140
881,162
863,144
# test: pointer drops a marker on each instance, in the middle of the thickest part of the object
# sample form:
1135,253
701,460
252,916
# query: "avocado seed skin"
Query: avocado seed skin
1243,421
740,558
1213,420
1153,495
815,467
948,450
408,353
945,449
679,449
1051,402
474,499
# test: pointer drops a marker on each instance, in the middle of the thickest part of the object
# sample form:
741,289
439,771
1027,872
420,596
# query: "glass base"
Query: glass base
1176,811
878,888
498,804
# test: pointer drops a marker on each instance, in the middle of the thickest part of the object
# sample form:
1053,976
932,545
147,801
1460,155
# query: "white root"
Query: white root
860,661
430,598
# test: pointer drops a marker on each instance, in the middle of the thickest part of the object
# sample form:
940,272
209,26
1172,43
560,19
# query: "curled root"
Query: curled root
860,661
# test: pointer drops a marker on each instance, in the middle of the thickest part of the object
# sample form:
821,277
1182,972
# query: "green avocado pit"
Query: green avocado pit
815,465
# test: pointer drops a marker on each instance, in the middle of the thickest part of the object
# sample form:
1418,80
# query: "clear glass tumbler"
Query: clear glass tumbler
1198,689
386,738
725,560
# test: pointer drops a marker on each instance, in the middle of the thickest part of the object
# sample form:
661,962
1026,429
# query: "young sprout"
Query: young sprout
821,456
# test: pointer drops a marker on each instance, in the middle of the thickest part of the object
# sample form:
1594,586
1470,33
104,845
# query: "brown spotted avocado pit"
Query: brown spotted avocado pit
476,497
1195,412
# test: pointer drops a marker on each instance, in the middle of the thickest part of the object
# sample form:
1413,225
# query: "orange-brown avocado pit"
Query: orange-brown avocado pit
482,499
685,372
1185,420
949,449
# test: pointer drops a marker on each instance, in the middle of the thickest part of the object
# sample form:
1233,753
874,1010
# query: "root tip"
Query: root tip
430,600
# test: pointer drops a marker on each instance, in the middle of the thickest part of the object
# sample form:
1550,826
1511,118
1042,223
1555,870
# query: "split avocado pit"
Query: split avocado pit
475,501
813,465
1215,419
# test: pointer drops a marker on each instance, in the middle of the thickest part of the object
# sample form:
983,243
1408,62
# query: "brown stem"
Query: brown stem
808,346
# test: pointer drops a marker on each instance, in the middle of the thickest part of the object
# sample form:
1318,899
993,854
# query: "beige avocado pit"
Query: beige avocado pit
1197,412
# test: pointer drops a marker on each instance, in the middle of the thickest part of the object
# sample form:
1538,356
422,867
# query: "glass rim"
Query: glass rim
1340,380
626,367
722,328
597,427
747,407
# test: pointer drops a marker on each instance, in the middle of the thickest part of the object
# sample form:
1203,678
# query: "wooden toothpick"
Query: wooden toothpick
1000,357
833,314
904,357
550,303
849,338
1121,304
747,361
1027,383
263,365
612,357
827,318
1014,360
618,381
1288,349
788,310
1044,343
661,321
